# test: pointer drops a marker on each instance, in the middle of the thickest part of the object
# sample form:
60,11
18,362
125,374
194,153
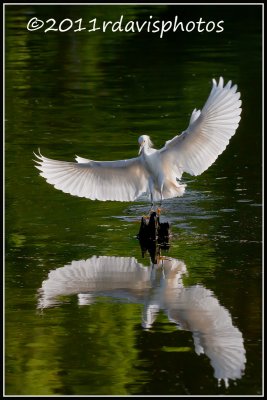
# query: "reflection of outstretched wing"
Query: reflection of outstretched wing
196,309
95,274
193,308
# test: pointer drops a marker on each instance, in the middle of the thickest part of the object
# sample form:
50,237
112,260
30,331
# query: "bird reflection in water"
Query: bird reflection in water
158,287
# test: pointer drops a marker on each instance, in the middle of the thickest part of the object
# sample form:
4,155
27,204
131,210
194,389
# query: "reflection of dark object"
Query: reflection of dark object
153,236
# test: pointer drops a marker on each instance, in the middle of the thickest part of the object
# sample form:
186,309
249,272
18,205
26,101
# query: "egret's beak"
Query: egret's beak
141,147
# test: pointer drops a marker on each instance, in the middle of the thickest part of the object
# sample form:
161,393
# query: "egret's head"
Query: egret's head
144,141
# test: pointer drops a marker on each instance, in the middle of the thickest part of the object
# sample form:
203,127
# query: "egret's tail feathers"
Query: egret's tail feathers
173,190
170,189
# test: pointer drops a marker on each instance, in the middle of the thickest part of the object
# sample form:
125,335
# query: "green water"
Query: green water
93,94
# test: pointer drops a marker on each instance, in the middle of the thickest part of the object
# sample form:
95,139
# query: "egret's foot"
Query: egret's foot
146,216
152,209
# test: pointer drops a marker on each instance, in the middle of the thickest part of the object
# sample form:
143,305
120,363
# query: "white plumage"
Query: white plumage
154,171
158,287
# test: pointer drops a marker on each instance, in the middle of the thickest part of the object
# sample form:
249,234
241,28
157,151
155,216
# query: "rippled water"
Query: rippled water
85,313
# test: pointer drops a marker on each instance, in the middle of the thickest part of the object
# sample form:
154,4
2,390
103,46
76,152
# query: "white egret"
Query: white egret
157,287
154,171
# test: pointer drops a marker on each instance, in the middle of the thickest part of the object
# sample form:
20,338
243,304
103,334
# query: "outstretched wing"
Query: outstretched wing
122,180
208,133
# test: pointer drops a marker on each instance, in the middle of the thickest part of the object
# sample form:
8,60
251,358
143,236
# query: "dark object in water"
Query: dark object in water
153,236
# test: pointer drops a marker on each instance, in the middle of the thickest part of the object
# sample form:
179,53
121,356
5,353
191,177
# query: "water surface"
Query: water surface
85,313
